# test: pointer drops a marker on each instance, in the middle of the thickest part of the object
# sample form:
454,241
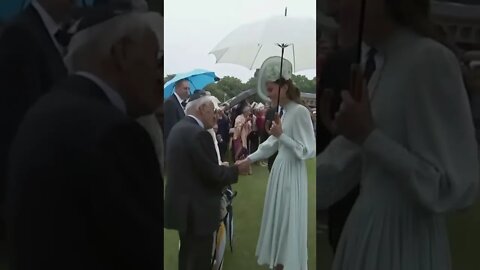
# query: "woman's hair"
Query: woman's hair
293,93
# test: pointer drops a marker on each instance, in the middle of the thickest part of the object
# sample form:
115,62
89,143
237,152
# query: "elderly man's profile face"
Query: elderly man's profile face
142,74
207,112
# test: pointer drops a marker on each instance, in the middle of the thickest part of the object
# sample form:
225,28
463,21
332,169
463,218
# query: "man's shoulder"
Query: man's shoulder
79,99
171,102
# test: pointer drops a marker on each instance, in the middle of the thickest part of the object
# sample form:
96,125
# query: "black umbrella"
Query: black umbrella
239,98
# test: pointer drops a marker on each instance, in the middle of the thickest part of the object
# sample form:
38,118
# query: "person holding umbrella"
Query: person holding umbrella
408,133
282,241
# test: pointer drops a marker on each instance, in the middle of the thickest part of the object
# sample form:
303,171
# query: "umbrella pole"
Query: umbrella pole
281,69
356,74
360,32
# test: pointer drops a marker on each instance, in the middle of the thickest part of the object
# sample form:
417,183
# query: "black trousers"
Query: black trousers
253,141
195,252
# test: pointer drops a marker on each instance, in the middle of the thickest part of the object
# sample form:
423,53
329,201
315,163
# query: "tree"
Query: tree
304,84
229,87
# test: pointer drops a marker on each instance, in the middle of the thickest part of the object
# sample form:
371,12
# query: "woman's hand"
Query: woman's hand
325,111
354,119
276,129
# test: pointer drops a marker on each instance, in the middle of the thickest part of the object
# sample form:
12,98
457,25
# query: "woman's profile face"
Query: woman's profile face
273,90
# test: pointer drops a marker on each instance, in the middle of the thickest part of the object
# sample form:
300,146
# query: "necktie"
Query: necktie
63,38
184,104
370,66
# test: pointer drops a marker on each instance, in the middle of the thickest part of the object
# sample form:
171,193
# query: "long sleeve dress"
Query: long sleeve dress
283,233
420,163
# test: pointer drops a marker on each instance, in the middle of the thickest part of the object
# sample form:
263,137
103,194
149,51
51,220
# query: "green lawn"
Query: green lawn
247,207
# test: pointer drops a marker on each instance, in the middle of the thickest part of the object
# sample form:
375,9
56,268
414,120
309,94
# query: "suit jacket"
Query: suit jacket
173,112
85,186
336,76
195,180
29,66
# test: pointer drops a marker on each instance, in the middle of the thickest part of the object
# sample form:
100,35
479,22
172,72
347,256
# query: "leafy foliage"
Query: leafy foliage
229,86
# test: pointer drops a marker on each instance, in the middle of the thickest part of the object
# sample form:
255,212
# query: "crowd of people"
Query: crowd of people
203,135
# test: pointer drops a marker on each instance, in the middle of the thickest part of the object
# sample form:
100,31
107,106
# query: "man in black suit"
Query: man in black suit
174,107
85,185
30,63
195,183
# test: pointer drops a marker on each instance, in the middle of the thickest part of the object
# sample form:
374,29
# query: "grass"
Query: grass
248,207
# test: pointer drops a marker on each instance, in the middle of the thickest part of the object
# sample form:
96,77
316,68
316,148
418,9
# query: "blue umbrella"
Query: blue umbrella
10,8
198,78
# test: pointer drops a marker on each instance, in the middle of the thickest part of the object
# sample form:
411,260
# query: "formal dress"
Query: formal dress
30,63
193,193
270,117
418,164
85,188
283,233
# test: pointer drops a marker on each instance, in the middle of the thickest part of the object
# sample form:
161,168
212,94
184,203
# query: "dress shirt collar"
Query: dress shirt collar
198,120
50,24
112,95
178,98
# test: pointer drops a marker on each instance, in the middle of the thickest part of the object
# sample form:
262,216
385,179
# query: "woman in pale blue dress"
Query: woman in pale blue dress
282,241
411,142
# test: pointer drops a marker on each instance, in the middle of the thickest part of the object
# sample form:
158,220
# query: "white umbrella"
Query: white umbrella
251,44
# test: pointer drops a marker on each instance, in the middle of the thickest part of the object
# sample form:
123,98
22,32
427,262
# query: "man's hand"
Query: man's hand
225,164
243,166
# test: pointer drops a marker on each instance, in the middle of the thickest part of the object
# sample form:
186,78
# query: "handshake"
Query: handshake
244,166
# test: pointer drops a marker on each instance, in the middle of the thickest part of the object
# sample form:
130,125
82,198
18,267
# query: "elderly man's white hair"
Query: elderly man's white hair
193,106
96,42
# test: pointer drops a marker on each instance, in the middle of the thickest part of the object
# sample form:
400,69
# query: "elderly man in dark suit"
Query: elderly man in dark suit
195,183
174,107
30,63
85,187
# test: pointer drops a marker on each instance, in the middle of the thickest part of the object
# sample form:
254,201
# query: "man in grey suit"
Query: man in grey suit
175,105
195,183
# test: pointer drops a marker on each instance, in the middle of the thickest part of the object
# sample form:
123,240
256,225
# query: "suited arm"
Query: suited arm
20,80
126,196
170,118
205,158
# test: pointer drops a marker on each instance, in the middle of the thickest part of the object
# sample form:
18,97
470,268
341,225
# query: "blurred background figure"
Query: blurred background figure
398,36
243,128
31,62
174,107
84,176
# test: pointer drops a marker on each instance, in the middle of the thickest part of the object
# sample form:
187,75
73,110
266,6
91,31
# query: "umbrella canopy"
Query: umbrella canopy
239,98
198,78
250,44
